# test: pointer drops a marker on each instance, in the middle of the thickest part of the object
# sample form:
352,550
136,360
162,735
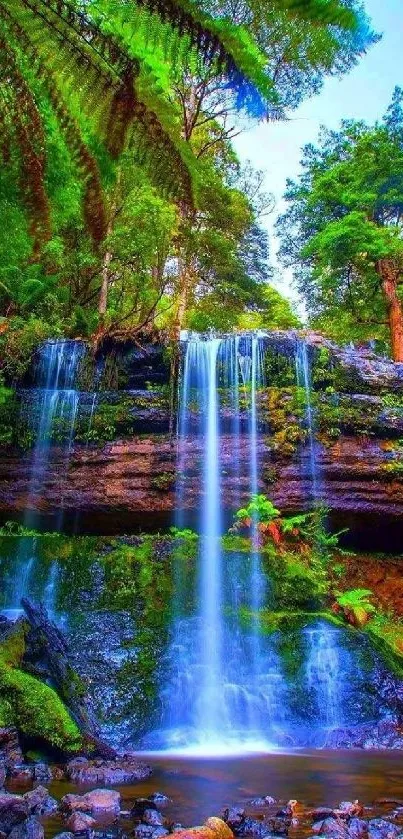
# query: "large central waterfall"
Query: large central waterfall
224,690
229,684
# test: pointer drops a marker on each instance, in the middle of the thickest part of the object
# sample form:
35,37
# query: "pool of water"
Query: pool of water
200,788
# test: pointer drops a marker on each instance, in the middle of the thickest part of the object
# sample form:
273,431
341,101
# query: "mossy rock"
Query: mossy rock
36,710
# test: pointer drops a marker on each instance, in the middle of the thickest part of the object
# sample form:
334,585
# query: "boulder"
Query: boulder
78,822
358,828
148,831
159,799
96,801
152,817
331,826
235,817
123,770
257,829
213,828
42,773
382,829
141,805
31,828
40,803
21,772
10,750
348,809
13,811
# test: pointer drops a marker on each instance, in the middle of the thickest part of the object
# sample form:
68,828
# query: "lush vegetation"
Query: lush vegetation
343,230
124,206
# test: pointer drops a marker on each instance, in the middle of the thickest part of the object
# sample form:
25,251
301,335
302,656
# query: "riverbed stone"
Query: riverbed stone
159,799
40,802
120,771
13,811
348,809
382,829
31,828
234,817
330,826
358,828
149,831
78,822
96,801
152,817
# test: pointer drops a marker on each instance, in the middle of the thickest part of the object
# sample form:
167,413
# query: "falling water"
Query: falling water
55,401
324,675
51,590
17,584
224,692
211,652
303,376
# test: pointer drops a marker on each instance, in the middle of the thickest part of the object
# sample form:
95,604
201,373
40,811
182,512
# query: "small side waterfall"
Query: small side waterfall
303,376
326,668
51,404
57,402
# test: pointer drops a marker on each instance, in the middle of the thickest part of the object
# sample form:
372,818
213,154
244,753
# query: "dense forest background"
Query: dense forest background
124,207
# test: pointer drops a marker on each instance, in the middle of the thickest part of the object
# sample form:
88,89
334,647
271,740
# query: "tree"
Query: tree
301,42
343,231
137,101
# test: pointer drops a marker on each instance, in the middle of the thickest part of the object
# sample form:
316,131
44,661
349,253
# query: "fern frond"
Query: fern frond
93,200
29,136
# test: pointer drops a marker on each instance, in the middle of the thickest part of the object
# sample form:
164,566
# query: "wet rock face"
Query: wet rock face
129,483
132,482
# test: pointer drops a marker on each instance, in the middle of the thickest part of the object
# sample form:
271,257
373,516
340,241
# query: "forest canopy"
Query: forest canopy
343,231
124,206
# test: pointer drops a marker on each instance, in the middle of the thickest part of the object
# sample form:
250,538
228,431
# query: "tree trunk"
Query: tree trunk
105,276
183,289
103,294
389,274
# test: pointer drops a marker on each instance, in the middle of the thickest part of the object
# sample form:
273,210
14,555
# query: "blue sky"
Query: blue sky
362,94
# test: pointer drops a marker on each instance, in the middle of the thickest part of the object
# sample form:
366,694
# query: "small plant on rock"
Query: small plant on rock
356,606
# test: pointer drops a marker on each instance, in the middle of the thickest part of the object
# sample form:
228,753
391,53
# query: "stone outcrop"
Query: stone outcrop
115,485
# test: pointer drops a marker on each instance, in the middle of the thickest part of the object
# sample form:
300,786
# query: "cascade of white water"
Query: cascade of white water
303,376
324,669
211,652
56,400
224,690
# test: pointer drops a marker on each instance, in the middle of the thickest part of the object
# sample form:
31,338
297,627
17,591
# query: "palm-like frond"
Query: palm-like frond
22,122
86,69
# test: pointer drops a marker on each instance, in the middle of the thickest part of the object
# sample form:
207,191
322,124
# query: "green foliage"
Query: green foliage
260,508
356,597
108,176
343,229
33,707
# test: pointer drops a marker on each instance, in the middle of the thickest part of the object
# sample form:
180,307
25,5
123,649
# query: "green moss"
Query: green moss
164,481
36,710
234,543
12,648
386,634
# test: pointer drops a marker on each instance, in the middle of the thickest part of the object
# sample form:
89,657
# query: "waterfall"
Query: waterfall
56,402
211,651
53,400
224,690
303,376
325,673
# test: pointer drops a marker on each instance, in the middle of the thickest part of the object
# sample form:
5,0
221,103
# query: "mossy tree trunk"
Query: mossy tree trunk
390,279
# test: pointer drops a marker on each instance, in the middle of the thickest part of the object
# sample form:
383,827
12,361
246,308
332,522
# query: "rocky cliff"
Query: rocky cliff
118,472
